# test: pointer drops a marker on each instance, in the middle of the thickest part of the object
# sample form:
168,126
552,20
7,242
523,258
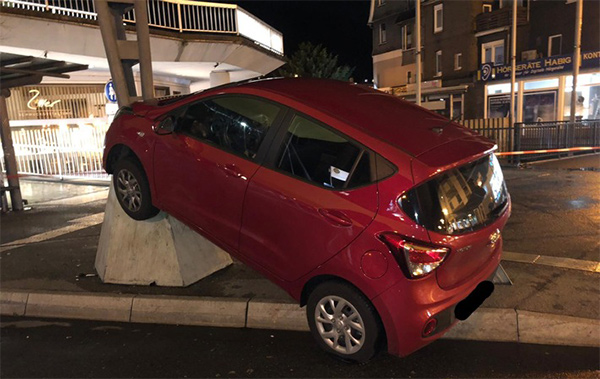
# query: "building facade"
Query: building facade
466,56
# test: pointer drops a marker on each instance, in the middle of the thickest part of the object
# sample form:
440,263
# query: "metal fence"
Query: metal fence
59,152
179,15
538,135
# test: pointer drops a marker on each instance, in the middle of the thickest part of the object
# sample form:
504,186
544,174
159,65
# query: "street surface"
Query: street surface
69,348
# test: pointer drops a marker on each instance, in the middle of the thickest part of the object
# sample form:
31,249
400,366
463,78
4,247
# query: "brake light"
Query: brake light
417,259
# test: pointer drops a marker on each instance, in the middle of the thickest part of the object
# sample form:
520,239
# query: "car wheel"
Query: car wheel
344,322
132,190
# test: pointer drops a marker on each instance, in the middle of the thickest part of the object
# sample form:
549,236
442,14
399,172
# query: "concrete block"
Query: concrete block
550,329
487,324
13,303
263,314
80,306
161,250
221,312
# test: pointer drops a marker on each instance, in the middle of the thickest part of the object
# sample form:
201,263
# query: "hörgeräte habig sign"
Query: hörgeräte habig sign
550,65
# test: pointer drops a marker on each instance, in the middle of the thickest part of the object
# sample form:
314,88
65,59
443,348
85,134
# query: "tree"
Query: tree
310,61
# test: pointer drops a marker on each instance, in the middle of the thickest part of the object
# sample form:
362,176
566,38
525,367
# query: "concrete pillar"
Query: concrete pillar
9,155
218,78
161,250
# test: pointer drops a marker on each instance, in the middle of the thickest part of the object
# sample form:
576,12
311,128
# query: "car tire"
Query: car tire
337,312
132,190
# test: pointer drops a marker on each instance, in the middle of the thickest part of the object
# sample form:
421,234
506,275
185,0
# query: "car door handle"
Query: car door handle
335,217
231,170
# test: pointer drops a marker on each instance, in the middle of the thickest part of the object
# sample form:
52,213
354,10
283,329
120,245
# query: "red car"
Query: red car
380,217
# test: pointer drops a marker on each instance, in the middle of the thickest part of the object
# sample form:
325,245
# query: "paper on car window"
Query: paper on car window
338,174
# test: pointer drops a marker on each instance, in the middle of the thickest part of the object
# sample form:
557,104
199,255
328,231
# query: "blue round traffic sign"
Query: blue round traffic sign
109,92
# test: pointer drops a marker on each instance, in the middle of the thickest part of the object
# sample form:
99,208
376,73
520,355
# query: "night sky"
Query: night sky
341,26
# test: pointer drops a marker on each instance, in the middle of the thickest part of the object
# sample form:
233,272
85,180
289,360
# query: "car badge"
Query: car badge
494,237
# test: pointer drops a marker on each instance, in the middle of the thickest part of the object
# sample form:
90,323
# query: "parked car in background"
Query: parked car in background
382,218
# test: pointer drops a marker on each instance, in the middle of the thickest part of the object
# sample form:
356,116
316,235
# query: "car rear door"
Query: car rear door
314,197
202,170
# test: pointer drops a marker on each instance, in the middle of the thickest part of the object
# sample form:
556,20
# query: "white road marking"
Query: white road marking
80,199
76,224
546,260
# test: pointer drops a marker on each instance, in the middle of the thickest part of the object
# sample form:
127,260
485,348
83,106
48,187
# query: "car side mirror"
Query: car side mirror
165,126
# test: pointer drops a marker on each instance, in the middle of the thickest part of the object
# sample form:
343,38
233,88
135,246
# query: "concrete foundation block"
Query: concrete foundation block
219,312
263,314
487,324
80,306
13,303
161,250
548,329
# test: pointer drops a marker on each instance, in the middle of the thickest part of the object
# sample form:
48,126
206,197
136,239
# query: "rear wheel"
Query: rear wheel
344,322
132,190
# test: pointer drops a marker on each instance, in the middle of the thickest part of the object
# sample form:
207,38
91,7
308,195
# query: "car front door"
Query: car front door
202,170
314,198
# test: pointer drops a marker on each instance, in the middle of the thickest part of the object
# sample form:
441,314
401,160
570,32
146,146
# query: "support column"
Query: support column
218,78
9,155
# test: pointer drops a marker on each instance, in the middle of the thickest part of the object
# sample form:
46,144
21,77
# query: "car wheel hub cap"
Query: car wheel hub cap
129,190
340,325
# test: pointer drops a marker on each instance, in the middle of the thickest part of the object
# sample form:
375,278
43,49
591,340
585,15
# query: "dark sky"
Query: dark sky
341,26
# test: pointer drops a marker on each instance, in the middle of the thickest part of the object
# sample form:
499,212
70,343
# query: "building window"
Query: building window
382,34
487,8
555,45
407,37
457,61
408,77
438,18
438,63
493,52
161,91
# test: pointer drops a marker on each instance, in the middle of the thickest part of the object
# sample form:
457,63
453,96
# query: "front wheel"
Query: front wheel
132,190
344,322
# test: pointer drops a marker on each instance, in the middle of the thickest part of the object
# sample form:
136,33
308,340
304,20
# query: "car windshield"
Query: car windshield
460,200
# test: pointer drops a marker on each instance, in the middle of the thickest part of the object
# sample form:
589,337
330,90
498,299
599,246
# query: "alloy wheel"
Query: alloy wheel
340,325
129,190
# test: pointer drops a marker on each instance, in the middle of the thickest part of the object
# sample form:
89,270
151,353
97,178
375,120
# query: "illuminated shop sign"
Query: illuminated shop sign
551,65
35,102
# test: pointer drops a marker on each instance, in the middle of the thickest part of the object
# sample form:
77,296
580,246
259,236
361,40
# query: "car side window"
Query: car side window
235,123
312,152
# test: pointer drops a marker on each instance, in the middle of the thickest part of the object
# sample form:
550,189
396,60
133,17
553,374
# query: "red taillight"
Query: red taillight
416,258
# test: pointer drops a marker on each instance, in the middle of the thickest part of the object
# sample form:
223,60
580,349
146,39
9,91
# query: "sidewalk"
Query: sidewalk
55,276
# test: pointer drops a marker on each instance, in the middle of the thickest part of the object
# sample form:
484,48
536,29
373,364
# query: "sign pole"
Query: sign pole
418,57
513,63
576,58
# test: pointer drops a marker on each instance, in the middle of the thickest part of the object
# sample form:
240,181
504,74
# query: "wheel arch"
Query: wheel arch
118,152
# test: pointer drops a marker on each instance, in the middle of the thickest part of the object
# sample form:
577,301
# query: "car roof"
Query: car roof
405,125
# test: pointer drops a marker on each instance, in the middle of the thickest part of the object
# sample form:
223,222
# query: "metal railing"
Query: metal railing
59,152
538,135
178,15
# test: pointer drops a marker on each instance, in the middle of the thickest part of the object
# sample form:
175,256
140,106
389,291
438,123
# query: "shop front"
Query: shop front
543,89
58,129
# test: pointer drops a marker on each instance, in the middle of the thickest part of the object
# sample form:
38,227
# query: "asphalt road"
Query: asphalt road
67,348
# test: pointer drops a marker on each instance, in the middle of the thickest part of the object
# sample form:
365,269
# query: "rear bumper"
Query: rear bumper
406,307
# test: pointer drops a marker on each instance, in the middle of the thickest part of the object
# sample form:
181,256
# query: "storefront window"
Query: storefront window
588,97
539,84
539,106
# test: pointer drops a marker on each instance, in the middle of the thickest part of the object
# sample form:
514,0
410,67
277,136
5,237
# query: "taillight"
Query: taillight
417,259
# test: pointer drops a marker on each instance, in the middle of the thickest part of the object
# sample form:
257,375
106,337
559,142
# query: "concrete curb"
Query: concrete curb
486,324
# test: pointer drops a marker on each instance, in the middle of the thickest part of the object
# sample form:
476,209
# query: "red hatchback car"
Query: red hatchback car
381,217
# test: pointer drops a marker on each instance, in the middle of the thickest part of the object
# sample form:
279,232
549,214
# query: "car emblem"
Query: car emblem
494,237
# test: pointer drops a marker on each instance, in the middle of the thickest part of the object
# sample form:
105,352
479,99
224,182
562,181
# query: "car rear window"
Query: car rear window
460,200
